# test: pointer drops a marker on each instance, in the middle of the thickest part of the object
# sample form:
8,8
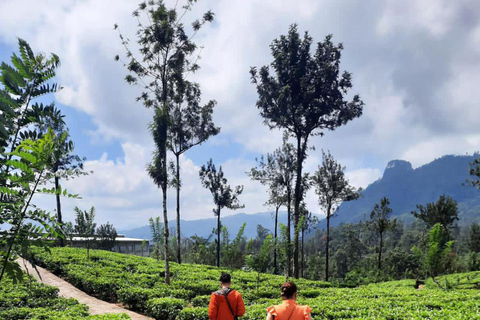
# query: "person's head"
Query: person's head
289,291
225,280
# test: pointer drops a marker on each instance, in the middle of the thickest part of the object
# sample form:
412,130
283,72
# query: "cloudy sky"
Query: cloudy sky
416,65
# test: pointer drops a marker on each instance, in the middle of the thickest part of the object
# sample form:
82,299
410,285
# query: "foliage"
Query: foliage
277,170
28,78
29,162
25,153
32,300
438,251
106,235
475,171
85,226
304,95
381,223
167,54
260,262
332,188
164,308
233,253
157,237
223,195
436,257
474,238
190,124
390,300
444,211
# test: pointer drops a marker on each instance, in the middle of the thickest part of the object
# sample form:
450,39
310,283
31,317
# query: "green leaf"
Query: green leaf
20,166
21,67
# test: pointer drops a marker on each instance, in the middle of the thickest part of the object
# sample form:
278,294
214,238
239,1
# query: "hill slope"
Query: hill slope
406,187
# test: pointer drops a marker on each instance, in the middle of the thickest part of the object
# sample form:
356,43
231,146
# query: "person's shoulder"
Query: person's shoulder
236,293
272,310
217,293
306,310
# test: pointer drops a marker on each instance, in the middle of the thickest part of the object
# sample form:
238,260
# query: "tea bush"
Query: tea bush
138,282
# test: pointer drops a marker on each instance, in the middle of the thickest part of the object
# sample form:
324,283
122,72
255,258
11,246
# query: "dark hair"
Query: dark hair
225,278
288,290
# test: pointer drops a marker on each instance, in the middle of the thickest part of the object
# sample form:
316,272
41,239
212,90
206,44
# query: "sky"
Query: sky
415,64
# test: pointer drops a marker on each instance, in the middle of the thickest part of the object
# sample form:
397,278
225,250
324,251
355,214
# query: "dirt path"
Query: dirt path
95,305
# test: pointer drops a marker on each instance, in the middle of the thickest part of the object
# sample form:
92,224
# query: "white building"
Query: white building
135,246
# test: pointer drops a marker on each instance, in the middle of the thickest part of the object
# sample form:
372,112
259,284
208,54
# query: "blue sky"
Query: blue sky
416,65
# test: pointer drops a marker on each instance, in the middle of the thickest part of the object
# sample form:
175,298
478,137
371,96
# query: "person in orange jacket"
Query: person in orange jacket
289,309
226,303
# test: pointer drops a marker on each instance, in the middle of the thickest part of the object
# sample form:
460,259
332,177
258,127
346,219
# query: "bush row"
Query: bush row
139,283
29,299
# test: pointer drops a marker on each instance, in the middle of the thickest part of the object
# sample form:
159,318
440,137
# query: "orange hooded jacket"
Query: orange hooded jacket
218,308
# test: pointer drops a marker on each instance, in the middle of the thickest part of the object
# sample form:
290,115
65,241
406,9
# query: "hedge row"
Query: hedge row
29,299
138,282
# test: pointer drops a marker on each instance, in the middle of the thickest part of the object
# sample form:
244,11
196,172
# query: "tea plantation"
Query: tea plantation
29,299
137,282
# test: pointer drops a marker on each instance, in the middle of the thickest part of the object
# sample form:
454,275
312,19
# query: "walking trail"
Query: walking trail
66,290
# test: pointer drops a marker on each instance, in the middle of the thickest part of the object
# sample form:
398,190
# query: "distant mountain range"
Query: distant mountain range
204,227
404,186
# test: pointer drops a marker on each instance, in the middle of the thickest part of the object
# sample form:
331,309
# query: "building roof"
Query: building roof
118,239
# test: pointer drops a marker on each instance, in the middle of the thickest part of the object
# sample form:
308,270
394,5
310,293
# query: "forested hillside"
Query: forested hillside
406,187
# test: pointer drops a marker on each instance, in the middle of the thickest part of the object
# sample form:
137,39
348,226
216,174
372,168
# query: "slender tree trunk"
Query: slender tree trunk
179,255
380,252
289,240
327,244
165,214
218,237
303,253
297,199
275,243
59,210
165,236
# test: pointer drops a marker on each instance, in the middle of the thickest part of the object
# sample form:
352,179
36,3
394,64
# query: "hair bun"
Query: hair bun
288,290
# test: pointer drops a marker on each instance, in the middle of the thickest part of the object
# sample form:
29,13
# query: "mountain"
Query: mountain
204,227
406,187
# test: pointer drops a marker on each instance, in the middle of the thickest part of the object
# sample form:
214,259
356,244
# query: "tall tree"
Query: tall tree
332,188
85,226
276,199
191,124
157,236
260,261
277,170
436,257
380,222
444,211
223,195
167,54
64,164
308,220
305,94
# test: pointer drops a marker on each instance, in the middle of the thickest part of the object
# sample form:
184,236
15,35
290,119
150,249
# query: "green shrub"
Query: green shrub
196,313
136,298
164,308
201,301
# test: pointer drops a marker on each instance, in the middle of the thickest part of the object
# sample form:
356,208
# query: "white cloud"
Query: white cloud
414,63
